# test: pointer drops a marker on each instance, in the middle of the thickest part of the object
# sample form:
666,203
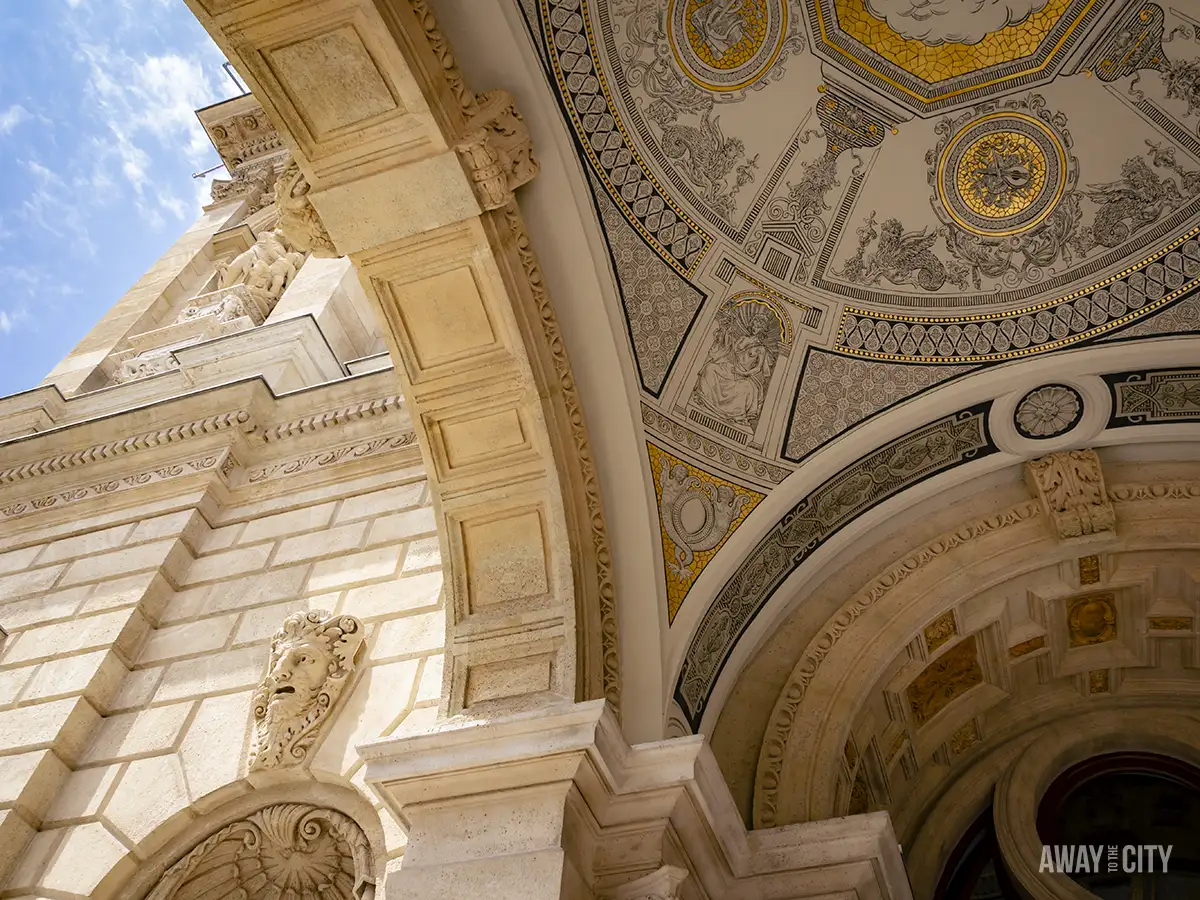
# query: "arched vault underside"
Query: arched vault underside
819,272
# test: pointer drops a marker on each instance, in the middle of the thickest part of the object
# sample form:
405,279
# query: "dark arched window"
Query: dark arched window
975,870
1129,800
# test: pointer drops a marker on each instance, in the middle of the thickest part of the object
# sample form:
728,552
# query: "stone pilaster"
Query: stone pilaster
555,804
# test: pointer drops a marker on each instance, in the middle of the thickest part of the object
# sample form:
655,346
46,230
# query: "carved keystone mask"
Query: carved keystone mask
312,659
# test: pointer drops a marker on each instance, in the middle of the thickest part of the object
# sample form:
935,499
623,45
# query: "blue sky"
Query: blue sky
98,142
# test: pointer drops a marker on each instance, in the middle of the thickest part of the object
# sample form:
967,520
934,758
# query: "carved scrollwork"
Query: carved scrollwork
288,850
1071,488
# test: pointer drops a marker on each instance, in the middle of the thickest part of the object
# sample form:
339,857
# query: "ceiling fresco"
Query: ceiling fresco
818,209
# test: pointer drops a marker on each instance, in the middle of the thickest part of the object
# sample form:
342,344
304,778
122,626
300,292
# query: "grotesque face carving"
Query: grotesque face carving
312,658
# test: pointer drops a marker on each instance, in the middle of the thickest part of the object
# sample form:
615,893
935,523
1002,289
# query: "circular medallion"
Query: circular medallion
723,45
1048,411
1001,174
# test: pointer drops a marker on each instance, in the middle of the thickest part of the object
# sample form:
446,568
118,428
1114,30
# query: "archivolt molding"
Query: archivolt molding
778,753
775,743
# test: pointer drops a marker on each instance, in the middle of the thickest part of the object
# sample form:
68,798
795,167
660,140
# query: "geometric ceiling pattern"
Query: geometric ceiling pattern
818,210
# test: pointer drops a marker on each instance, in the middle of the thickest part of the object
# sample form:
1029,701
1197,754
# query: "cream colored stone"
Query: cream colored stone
310,518
191,639
86,544
188,525
355,568
122,630
96,676
411,635
51,607
15,834
33,861
30,782
31,581
214,747
380,502
150,591
141,733
257,590
167,555
137,689
12,681
62,725
421,555
381,698
86,854
213,674
218,539
430,686
82,795
18,560
394,597
257,625
221,566
320,544
401,527
151,793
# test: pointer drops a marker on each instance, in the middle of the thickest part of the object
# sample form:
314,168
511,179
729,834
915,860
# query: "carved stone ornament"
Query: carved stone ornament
312,659
496,151
1071,487
695,514
291,850
266,267
297,217
661,884
144,366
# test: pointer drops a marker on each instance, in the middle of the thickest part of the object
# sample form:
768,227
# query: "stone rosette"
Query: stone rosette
1048,411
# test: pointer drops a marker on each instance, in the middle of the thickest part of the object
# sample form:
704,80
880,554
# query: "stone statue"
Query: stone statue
312,659
268,266
297,217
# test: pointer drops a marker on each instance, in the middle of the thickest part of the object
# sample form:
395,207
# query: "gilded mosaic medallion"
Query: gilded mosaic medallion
724,45
1001,174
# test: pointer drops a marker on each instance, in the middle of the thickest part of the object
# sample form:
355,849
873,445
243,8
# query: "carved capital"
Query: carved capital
312,660
298,219
1070,485
497,152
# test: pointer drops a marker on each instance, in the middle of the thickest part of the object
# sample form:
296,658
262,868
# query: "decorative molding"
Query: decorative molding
1070,485
605,590
312,660
774,746
297,217
321,853
468,103
1154,397
497,152
752,467
238,419
333,419
323,458
112,486
662,884
1162,490
920,454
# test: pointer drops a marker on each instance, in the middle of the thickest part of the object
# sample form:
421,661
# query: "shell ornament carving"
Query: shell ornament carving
291,850
312,659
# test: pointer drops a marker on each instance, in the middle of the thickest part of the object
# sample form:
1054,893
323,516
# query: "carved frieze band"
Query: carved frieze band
1154,397
922,453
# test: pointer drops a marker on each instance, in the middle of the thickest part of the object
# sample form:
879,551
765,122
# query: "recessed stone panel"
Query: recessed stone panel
509,678
444,318
331,80
505,558
477,438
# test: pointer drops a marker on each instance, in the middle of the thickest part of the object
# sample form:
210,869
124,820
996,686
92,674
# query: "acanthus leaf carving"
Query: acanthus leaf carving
312,660
496,151
1070,485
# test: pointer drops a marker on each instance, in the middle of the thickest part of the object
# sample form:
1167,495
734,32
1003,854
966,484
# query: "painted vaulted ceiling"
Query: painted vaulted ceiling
818,209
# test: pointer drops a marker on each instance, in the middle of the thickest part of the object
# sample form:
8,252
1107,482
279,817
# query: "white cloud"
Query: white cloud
12,117
937,22
56,207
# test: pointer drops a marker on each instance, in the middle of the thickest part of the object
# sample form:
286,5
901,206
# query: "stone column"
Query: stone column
555,804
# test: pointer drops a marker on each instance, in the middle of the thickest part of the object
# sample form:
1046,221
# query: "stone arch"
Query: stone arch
413,180
334,823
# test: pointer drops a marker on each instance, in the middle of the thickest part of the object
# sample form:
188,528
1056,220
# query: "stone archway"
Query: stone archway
398,165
